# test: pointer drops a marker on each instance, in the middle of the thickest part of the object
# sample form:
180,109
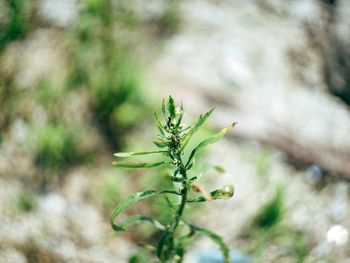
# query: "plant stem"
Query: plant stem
181,208
182,170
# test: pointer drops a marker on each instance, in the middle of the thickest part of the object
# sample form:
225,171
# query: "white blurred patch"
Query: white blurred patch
19,130
61,13
53,204
338,235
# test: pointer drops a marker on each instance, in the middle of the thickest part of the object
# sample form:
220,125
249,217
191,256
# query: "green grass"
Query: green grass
16,25
269,228
25,201
57,148
271,213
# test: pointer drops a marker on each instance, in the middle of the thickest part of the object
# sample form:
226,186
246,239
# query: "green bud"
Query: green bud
177,258
229,190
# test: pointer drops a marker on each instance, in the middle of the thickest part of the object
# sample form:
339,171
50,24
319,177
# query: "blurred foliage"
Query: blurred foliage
101,58
170,20
103,65
25,201
268,230
271,213
57,148
34,254
263,161
15,26
291,244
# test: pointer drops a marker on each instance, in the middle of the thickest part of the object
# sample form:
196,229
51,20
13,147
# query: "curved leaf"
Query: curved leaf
198,124
137,218
130,200
158,123
209,140
160,143
128,154
216,239
135,165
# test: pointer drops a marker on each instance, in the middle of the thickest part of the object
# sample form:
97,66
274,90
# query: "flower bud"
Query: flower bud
229,190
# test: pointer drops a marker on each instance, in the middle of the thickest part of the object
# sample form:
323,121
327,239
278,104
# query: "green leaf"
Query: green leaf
191,232
216,239
163,242
128,154
206,168
169,203
136,165
138,218
209,140
161,144
130,200
179,251
219,169
158,123
197,125
163,107
171,107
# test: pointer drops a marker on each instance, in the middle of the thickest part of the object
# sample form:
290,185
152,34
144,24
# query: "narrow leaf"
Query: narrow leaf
190,233
210,140
163,107
139,218
171,107
158,123
216,239
219,169
136,165
196,126
128,154
130,200
161,144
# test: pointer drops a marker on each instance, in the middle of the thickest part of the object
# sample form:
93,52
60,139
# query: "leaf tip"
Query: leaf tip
234,124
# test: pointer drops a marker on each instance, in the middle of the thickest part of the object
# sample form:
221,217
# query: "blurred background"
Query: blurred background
80,79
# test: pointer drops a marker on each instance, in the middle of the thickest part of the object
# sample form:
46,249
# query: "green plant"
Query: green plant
269,229
57,148
15,27
270,213
103,63
25,202
173,140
